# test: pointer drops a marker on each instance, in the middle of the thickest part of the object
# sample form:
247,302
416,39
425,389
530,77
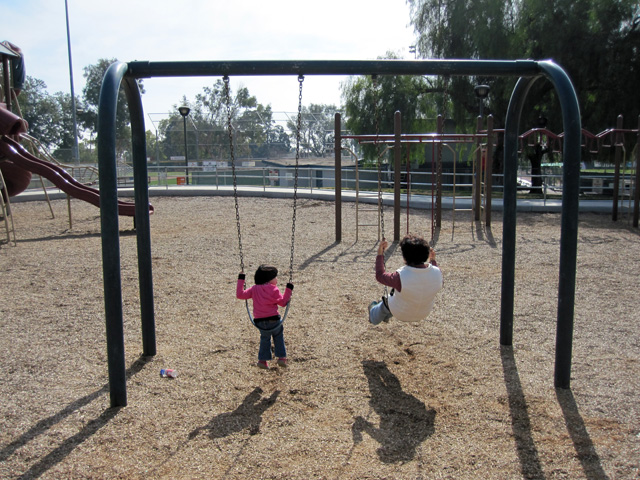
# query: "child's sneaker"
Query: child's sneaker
282,362
262,364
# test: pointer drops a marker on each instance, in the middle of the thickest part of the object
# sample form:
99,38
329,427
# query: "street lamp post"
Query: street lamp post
195,129
75,153
184,111
482,92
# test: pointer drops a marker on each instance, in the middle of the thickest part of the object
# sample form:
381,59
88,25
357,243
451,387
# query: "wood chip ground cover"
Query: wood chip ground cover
441,399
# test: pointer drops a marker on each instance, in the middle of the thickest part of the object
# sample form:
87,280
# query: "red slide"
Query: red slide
19,163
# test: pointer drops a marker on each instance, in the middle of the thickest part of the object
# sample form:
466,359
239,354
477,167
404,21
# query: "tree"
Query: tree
152,147
43,112
479,29
255,123
87,152
64,150
596,41
207,125
91,92
415,97
316,128
171,133
278,141
250,120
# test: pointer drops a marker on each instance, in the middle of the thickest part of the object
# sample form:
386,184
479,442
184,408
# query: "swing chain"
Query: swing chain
295,181
445,97
445,101
376,93
233,168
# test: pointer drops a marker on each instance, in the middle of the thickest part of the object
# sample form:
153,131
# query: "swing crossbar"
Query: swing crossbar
203,68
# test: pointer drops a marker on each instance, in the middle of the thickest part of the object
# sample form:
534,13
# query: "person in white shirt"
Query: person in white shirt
414,286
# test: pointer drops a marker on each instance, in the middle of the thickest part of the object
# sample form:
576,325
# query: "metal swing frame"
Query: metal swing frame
527,72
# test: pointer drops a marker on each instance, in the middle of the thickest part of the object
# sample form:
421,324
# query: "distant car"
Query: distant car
524,184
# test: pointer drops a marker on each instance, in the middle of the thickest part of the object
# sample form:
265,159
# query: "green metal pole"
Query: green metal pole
109,230
571,154
636,197
143,230
147,69
509,208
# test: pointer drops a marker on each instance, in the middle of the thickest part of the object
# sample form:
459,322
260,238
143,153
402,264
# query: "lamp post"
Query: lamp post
75,154
195,129
482,92
184,111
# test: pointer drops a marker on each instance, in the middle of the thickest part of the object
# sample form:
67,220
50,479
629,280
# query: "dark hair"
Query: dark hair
264,274
415,250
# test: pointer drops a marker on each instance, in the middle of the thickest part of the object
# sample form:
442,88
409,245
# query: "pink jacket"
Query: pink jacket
266,298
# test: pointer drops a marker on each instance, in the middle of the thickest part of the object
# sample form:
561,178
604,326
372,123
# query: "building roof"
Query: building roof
5,50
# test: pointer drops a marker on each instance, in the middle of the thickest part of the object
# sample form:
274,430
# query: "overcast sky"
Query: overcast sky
162,30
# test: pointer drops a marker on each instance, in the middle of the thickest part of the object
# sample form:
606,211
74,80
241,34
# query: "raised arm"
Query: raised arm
241,293
389,279
284,299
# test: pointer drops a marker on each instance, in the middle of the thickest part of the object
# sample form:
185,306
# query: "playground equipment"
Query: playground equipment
5,211
235,187
528,71
624,184
482,144
623,144
18,164
380,153
359,196
614,138
24,160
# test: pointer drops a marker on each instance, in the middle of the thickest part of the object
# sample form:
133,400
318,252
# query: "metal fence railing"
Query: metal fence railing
315,178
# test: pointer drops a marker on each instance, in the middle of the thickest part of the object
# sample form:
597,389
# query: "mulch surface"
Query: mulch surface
438,399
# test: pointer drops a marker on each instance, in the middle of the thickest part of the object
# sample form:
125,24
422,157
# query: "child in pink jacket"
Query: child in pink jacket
266,298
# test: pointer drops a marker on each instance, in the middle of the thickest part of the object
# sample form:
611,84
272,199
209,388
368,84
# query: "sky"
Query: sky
163,30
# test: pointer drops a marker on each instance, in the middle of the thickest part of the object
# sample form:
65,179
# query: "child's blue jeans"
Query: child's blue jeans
379,313
269,329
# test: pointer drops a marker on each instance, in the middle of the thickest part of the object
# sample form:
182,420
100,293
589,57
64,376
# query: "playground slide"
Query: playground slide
23,160
16,179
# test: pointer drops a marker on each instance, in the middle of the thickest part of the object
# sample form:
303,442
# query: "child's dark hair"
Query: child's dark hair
415,250
264,274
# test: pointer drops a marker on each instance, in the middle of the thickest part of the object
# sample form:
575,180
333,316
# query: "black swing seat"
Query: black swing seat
253,320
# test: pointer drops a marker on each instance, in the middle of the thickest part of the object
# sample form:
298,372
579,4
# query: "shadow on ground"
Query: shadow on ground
405,422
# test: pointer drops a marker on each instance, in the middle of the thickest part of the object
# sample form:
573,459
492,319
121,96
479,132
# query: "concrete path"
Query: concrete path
417,201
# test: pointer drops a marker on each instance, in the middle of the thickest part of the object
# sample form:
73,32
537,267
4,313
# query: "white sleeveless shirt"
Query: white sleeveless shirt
419,289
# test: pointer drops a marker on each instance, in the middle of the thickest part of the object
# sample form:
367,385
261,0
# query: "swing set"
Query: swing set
527,72
235,186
